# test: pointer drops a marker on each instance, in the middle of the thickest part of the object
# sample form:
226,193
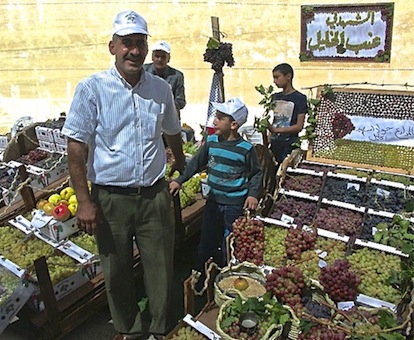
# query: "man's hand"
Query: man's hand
174,188
87,217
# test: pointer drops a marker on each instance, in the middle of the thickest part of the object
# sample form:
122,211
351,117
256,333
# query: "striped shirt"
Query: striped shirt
122,126
233,168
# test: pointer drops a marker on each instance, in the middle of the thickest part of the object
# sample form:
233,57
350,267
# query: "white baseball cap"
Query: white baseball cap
161,46
129,22
233,107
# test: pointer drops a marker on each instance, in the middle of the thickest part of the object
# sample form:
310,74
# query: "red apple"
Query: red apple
61,212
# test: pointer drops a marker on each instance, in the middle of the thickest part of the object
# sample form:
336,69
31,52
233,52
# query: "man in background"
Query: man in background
161,55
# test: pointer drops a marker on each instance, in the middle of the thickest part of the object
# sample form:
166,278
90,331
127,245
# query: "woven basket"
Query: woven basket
272,333
243,269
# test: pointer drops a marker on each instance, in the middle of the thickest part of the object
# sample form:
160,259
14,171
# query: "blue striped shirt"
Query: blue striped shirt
122,126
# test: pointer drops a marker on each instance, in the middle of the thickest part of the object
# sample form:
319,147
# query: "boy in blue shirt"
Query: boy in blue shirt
234,176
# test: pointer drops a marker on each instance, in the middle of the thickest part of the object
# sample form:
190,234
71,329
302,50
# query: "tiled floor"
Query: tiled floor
99,327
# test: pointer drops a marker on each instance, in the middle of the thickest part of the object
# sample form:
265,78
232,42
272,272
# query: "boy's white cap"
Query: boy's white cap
129,22
161,46
233,107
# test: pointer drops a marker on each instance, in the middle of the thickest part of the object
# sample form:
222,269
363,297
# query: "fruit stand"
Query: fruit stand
336,245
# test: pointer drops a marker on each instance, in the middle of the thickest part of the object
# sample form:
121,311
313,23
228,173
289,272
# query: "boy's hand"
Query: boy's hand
174,188
251,203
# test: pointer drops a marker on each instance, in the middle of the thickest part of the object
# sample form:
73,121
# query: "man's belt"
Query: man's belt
128,190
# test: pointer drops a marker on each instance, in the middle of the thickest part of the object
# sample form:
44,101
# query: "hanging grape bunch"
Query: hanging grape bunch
218,53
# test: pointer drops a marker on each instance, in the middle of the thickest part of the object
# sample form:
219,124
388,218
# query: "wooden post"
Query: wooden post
215,27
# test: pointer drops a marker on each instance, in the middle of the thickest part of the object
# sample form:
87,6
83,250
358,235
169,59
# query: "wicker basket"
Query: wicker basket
272,333
243,269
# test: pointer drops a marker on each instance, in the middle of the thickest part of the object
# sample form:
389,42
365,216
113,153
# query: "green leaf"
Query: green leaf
213,43
385,319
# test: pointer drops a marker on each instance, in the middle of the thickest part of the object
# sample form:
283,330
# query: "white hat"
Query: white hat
161,46
233,107
129,22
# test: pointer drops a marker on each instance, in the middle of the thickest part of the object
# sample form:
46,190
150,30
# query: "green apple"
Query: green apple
67,192
54,199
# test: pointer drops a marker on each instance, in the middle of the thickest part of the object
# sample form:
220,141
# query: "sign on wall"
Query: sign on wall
346,32
366,128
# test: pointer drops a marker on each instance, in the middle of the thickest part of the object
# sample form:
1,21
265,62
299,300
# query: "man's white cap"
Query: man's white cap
129,22
233,107
161,46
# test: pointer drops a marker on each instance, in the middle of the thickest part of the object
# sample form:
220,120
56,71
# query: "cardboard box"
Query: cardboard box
44,134
20,295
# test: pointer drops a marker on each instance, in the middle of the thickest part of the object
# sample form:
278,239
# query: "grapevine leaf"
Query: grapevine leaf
284,318
213,43
226,322
391,336
385,319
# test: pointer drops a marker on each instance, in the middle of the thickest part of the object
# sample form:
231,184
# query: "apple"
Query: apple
67,192
73,200
48,208
61,212
54,199
241,283
73,208
63,202
40,203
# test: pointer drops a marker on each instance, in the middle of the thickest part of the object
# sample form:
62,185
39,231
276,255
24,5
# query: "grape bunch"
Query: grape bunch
249,240
188,333
299,240
275,251
218,57
339,220
287,284
344,191
339,281
33,157
322,332
375,268
304,183
390,199
315,167
85,241
301,211
236,332
341,125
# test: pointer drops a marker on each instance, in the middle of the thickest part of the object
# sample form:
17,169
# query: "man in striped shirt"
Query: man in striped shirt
114,128
234,175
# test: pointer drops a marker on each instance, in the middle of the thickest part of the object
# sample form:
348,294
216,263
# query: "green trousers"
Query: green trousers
149,217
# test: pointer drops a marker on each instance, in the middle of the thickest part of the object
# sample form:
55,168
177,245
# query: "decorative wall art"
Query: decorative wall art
346,32
366,128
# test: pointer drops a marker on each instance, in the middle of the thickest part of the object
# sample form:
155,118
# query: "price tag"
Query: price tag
350,185
374,230
322,264
322,254
345,305
287,219
383,193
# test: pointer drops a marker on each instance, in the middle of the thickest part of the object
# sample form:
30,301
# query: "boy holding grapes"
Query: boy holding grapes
234,176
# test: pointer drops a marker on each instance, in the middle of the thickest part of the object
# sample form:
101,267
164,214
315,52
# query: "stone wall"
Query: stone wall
48,46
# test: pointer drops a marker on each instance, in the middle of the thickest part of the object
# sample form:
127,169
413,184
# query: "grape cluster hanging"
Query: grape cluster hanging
218,53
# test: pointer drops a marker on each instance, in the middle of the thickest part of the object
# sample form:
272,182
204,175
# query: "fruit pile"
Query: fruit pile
8,283
304,183
61,205
302,211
